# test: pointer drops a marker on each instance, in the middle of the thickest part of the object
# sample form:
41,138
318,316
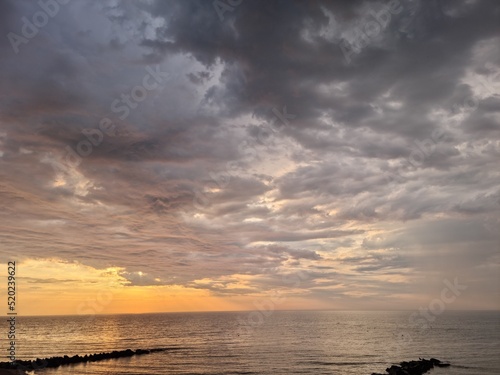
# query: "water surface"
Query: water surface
299,342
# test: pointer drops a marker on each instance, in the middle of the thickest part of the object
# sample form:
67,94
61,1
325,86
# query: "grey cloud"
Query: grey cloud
317,188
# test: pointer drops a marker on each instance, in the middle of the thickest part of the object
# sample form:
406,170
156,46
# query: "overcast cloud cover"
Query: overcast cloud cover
266,139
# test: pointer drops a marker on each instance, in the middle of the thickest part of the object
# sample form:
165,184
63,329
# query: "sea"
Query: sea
268,342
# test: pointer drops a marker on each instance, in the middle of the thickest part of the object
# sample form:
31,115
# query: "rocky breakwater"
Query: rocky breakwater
414,367
12,372
65,360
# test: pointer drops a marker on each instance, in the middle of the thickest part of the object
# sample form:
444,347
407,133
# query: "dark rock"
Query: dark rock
414,367
60,361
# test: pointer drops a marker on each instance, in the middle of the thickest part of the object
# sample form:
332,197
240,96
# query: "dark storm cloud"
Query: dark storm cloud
200,179
278,63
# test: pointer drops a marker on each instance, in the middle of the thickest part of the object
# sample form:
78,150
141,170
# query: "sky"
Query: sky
233,154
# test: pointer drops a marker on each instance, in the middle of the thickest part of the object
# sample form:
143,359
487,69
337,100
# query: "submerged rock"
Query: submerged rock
414,367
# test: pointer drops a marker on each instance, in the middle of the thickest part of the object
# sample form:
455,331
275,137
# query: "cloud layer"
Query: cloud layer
356,143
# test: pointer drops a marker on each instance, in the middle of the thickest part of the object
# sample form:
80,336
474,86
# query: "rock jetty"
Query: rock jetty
65,360
414,367
11,372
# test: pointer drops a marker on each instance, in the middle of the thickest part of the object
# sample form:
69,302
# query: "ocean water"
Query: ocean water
281,342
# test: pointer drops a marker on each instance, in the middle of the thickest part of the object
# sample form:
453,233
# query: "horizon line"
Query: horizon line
247,311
